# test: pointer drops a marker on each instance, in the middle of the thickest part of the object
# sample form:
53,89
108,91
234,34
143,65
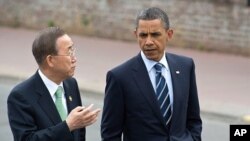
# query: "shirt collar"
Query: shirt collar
150,63
51,86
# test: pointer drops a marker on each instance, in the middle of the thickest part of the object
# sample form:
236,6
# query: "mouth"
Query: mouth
149,50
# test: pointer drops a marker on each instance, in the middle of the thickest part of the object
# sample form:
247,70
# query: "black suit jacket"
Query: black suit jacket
130,106
33,115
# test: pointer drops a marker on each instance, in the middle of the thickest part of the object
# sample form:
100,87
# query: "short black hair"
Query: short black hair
152,14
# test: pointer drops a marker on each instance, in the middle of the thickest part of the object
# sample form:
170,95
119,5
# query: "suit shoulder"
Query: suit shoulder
180,58
25,85
23,88
177,56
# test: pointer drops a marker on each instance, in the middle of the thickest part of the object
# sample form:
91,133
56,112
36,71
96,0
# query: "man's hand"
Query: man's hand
81,117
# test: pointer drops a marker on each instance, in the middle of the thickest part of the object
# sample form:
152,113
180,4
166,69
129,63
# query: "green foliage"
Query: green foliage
85,20
16,22
51,23
200,46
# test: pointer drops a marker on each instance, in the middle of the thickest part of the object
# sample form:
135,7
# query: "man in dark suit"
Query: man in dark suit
38,107
153,96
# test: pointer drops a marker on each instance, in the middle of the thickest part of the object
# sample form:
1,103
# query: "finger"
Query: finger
79,108
90,106
90,120
93,121
96,111
87,110
90,116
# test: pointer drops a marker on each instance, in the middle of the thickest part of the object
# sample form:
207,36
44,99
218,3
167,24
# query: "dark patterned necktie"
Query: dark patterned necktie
162,94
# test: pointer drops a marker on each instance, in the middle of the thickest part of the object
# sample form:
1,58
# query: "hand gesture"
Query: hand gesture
81,117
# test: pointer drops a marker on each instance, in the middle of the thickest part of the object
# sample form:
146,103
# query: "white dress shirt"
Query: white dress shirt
52,87
165,72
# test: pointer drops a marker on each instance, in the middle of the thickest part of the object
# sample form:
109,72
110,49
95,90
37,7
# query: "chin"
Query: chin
152,58
70,75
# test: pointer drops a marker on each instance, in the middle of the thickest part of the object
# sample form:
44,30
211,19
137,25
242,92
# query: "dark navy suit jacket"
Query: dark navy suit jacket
130,106
33,115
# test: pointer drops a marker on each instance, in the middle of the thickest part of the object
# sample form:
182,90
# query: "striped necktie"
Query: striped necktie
59,103
162,94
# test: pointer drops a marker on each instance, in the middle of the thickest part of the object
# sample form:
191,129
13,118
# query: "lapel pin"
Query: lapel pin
177,72
70,98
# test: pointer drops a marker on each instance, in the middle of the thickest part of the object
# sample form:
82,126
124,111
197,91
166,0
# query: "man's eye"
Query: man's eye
155,34
142,35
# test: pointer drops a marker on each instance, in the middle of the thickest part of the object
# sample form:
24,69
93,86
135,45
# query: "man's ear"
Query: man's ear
49,61
135,33
170,33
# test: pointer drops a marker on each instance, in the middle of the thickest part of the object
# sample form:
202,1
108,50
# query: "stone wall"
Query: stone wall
222,25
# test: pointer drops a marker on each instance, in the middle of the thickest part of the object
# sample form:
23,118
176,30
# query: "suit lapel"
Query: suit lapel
71,103
144,83
45,100
68,95
175,71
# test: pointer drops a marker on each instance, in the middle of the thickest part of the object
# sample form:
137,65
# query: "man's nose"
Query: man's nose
149,40
74,59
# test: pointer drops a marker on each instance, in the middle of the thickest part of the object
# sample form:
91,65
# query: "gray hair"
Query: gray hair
45,43
152,14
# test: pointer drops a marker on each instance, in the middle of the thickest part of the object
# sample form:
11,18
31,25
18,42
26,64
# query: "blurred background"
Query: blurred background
215,33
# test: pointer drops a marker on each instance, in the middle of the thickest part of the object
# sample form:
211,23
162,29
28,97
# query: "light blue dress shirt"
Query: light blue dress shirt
165,72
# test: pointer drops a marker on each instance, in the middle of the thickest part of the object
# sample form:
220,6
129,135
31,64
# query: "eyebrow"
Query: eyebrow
151,33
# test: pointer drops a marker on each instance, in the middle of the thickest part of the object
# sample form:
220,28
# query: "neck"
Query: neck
51,76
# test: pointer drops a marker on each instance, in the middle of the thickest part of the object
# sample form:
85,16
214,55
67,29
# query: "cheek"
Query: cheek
66,64
161,42
141,43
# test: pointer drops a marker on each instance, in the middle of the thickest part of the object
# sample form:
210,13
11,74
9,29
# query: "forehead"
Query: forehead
155,24
64,41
